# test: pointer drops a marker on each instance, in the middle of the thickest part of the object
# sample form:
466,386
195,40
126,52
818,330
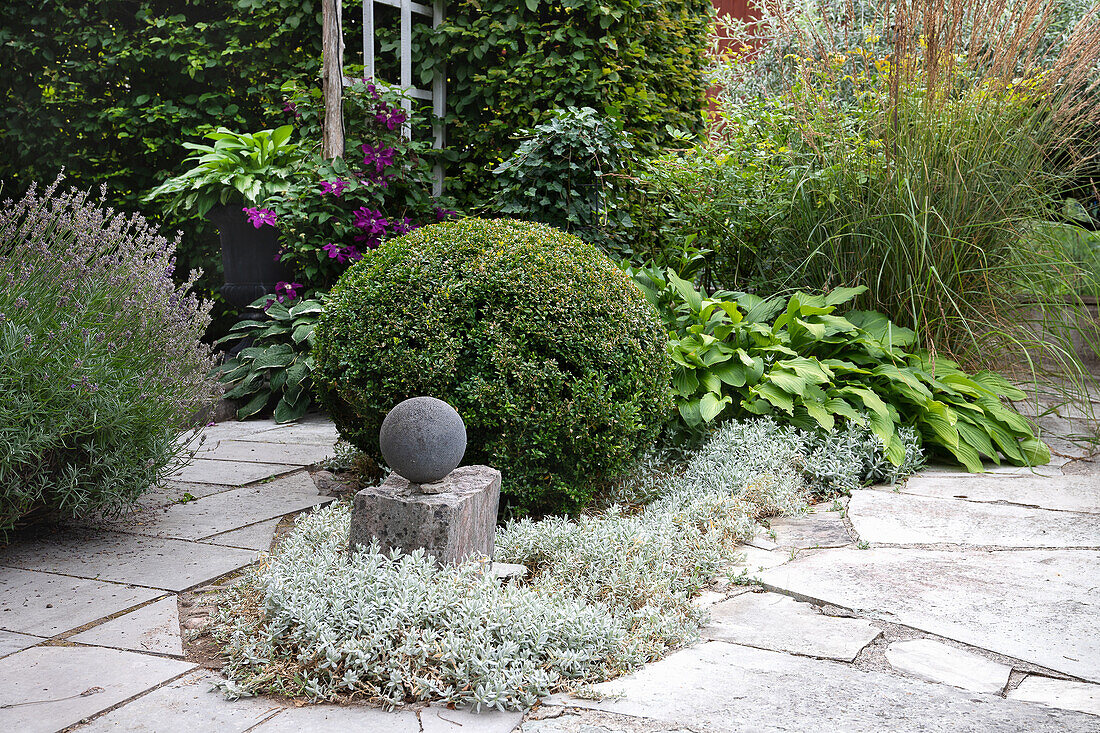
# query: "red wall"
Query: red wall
736,8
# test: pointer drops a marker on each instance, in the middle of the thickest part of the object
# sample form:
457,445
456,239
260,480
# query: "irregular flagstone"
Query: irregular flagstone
903,519
938,662
1042,606
229,473
64,685
153,562
44,604
299,454
559,720
253,537
1065,694
228,510
230,430
778,622
753,560
820,529
1064,493
720,687
151,628
11,642
187,704
439,719
331,718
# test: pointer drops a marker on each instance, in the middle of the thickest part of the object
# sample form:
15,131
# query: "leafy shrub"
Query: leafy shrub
559,173
555,361
739,355
238,168
920,162
606,593
276,365
509,64
100,361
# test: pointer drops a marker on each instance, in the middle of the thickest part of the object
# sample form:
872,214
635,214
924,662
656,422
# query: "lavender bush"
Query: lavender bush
101,365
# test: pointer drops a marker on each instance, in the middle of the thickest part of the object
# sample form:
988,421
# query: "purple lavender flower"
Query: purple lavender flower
258,217
336,188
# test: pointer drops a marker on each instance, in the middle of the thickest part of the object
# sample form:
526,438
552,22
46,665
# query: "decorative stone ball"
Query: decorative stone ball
423,439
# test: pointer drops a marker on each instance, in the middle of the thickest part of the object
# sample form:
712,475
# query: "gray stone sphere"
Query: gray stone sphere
423,439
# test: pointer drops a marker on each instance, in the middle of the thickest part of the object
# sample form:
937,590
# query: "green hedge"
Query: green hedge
511,62
550,354
108,90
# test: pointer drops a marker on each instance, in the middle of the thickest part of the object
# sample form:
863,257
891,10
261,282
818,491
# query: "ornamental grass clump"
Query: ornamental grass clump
101,366
605,593
911,148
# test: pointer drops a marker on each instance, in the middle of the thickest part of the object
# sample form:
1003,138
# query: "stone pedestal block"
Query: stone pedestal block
455,522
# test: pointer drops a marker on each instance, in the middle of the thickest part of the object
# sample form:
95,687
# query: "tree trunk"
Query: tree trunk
332,80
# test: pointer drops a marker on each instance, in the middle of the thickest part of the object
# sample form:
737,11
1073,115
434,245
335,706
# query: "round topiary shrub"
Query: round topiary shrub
551,355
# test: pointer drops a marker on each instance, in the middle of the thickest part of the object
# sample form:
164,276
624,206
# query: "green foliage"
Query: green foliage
100,362
108,90
335,210
737,355
559,173
240,167
918,163
510,64
552,357
276,366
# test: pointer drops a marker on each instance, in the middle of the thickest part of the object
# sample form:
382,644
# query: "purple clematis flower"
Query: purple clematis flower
258,217
336,188
286,291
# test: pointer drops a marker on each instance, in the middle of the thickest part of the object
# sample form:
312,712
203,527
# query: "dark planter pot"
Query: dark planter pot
248,256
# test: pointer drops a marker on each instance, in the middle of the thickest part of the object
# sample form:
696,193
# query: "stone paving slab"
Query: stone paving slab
1054,468
319,432
719,687
226,511
1065,694
187,704
44,604
152,628
153,562
231,430
938,662
225,473
64,685
299,454
903,519
333,718
754,559
439,719
253,537
177,492
780,623
821,529
11,642
1067,493
1041,606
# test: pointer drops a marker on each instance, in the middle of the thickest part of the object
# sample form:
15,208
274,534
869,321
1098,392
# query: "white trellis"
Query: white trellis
437,95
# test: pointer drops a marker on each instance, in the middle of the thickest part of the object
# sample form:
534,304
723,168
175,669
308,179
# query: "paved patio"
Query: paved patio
964,603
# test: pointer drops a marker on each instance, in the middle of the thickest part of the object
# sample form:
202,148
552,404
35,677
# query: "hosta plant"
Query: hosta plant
737,355
237,167
276,367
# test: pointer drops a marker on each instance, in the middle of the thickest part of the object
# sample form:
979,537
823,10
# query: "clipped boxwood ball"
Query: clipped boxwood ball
552,356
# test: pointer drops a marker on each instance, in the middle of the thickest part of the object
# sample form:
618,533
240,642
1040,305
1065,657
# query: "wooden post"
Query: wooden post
332,79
